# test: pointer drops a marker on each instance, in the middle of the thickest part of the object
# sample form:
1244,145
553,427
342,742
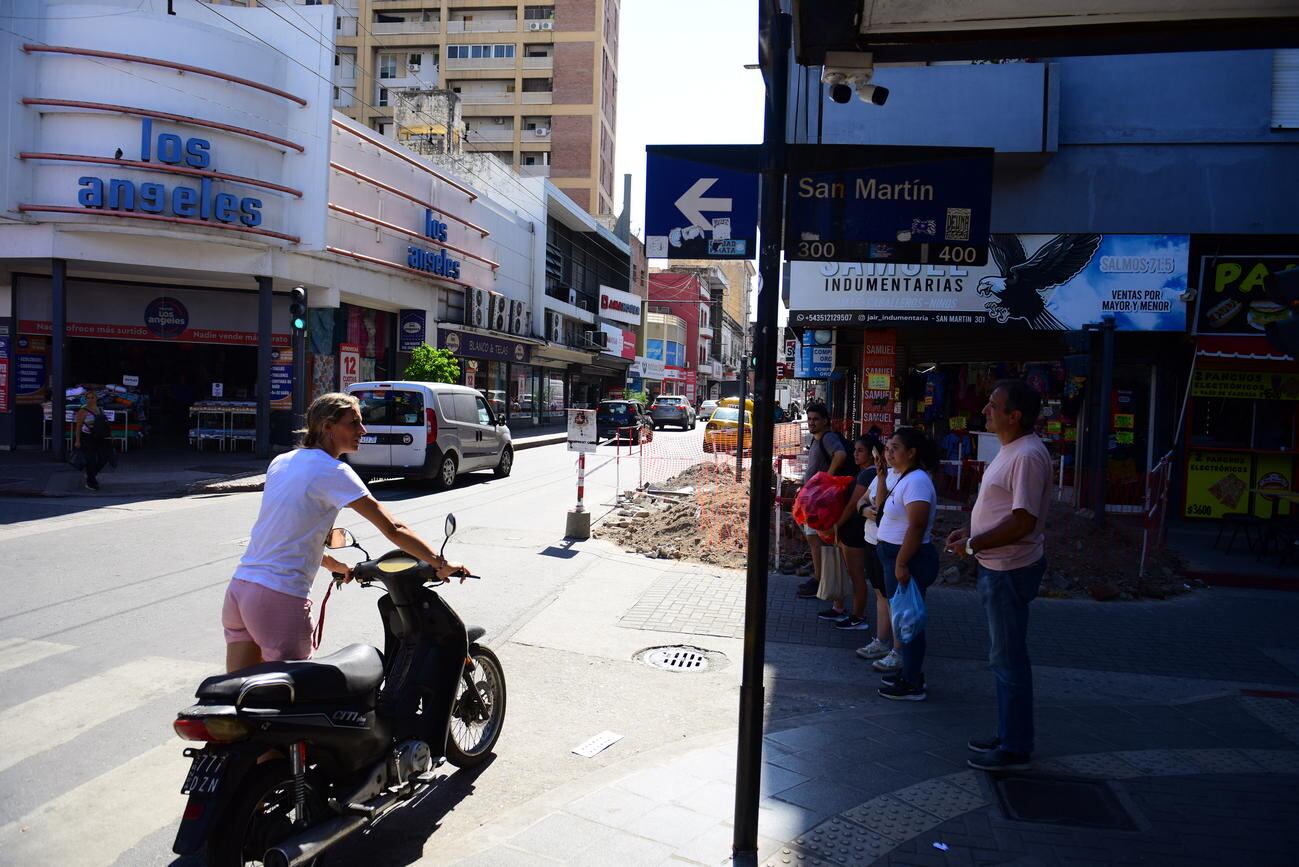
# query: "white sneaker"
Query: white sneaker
892,661
874,650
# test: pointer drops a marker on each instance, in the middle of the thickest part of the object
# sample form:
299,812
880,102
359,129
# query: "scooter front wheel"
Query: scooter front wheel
476,723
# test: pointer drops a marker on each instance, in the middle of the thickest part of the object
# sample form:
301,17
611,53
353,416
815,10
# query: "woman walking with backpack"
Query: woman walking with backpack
91,436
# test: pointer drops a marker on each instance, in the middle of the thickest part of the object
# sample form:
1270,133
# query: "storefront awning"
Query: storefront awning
1240,347
562,353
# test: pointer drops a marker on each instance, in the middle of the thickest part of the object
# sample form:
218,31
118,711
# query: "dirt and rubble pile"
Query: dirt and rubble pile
700,514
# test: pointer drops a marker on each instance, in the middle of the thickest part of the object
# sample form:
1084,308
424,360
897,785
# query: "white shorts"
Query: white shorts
808,531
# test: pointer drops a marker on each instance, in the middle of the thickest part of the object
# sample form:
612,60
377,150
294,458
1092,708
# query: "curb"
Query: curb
535,442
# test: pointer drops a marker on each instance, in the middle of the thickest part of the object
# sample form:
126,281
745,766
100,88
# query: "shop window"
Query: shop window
1274,425
1221,422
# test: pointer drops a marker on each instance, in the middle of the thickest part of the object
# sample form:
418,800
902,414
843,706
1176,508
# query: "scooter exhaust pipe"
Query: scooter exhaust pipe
313,842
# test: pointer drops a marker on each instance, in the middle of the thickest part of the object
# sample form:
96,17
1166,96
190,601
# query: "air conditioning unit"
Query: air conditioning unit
554,327
527,321
412,67
545,25
542,130
597,338
534,25
517,316
478,313
572,297
500,311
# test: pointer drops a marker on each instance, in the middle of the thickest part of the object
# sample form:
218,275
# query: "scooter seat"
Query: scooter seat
351,674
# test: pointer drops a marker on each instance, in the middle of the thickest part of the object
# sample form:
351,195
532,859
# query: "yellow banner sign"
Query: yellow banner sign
1217,483
1124,421
878,382
1245,385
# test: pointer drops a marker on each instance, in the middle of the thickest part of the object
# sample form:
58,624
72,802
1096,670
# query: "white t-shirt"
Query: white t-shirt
305,490
915,486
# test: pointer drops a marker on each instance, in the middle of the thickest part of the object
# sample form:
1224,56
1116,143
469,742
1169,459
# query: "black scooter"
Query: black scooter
301,755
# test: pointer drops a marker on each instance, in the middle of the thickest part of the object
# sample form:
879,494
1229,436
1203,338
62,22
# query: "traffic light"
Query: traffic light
298,309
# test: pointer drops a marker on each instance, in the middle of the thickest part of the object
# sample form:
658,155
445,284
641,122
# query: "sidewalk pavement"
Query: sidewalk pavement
157,473
1168,733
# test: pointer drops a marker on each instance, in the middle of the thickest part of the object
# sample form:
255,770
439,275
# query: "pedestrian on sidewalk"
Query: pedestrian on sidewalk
826,452
92,436
266,614
857,537
906,504
1007,536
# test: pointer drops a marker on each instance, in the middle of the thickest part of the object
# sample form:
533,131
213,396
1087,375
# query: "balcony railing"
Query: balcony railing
490,133
534,171
479,62
539,62
537,97
486,98
401,28
489,25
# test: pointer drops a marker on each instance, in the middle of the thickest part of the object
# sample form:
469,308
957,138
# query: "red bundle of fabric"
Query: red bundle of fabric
821,501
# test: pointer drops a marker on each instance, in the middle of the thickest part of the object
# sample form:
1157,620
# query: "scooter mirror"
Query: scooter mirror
339,538
449,528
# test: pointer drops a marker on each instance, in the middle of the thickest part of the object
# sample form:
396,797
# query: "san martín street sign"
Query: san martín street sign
873,203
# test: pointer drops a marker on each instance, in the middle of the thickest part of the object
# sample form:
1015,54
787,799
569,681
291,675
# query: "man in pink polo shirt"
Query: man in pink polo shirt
1007,535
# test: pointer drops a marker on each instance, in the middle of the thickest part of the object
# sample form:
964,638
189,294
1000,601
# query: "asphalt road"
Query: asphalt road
111,617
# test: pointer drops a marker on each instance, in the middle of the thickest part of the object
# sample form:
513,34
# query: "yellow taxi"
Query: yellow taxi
722,431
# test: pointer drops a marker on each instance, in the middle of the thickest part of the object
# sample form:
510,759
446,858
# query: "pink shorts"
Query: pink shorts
276,622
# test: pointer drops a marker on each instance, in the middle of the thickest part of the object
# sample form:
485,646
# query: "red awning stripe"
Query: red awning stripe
1240,347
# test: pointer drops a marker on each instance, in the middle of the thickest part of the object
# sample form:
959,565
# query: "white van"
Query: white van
428,430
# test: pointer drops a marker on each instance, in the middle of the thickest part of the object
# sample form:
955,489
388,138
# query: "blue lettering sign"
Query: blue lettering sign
121,194
434,228
433,261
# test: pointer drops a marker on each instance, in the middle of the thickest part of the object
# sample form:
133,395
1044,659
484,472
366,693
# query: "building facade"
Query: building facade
1171,178
149,248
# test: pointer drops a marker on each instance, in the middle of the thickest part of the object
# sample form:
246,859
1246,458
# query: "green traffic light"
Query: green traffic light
299,323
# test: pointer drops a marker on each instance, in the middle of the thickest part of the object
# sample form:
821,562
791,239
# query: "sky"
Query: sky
681,80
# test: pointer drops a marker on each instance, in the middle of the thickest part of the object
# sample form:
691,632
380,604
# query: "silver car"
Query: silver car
672,409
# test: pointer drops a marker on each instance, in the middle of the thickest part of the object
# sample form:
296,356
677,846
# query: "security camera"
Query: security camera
841,93
847,72
873,94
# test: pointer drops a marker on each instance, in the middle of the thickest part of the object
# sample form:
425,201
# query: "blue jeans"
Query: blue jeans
924,569
1005,597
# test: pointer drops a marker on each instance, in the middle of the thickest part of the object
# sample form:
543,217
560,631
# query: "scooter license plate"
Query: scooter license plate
204,774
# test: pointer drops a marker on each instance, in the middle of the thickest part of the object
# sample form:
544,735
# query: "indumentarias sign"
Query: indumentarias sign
1041,282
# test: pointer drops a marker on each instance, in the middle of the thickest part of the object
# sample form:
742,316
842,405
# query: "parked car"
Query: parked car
428,430
706,409
620,419
672,409
722,432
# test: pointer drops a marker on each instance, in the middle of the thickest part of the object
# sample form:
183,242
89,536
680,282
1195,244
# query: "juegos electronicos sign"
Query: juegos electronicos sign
121,194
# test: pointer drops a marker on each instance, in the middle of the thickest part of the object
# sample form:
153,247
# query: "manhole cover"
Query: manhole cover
1062,801
680,658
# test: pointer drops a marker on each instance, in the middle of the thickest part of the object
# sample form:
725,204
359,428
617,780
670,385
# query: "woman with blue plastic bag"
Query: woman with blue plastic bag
906,503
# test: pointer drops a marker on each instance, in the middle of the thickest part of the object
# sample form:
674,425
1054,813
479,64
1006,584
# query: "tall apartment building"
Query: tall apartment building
537,80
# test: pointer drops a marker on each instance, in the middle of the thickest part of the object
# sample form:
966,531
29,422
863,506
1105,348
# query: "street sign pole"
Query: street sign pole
739,437
774,48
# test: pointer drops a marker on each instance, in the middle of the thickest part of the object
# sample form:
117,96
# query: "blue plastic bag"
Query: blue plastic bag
908,609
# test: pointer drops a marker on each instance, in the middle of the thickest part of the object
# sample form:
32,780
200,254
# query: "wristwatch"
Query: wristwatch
969,545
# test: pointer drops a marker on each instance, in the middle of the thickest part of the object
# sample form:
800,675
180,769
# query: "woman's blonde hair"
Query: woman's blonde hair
324,409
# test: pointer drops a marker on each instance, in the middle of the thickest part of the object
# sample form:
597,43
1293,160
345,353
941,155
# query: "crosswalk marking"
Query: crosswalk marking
57,717
17,652
95,823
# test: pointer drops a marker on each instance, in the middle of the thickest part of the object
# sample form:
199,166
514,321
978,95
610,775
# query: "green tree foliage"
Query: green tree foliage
432,365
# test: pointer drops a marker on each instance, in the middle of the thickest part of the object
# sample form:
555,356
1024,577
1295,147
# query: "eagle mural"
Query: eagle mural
1017,295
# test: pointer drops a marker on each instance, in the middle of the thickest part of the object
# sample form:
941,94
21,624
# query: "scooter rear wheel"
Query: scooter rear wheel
260,816
471,737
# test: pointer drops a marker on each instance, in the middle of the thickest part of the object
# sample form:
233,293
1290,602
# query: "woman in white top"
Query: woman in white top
267,612
906,503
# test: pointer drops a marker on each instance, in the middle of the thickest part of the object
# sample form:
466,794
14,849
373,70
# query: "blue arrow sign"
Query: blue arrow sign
701,202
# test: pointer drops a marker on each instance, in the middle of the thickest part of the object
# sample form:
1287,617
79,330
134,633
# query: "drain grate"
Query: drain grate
678,658
1062,801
